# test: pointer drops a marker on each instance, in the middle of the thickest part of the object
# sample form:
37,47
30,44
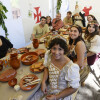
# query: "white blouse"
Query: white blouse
94,45
60,79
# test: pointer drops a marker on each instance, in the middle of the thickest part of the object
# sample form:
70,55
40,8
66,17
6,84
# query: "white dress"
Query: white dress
61,79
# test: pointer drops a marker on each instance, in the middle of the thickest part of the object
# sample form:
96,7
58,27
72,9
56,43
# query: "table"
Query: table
6,91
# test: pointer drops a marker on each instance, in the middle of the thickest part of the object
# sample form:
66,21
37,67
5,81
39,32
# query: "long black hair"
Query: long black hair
96,32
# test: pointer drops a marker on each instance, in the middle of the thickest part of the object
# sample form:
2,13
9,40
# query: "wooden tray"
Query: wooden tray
37,67
29,58
28,87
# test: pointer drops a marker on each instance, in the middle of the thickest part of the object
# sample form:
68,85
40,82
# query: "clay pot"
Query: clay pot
14,61
1,65
12,82
35,43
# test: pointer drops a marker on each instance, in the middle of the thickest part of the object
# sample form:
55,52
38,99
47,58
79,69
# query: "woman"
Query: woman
4,46
92,40
91,18
62,73
48,21
77,51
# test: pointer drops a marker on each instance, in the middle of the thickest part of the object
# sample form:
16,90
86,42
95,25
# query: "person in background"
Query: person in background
68,19
91,18
78,52
61,74
78,16
99,29
40,29
4,46
92,40
48,22
57,23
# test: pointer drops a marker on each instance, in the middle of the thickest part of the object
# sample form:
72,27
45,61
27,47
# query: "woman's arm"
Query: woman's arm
80,50
45,77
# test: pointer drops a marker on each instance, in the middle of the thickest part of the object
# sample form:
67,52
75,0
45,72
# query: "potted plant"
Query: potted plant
3,10
58,5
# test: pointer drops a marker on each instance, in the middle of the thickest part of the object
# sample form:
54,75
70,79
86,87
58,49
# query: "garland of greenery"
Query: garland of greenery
58,5
3,10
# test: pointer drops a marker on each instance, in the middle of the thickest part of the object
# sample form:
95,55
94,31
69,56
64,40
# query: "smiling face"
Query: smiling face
89,18
57,52
68,15
43,21
91,28
58,16
48,20
74,33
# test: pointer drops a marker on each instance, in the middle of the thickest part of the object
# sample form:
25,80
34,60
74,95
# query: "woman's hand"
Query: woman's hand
44,87
51,97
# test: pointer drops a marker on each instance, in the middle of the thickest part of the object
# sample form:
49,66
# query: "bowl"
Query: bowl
29,58
12,82
30,87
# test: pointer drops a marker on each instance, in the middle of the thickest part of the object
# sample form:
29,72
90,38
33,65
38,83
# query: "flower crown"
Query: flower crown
94,23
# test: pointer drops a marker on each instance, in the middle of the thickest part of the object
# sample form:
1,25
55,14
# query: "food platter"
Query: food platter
29,82
37,67
40,52
23,50
29,58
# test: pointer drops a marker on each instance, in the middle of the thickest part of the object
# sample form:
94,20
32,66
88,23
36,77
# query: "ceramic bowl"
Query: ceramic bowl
29,58
12,82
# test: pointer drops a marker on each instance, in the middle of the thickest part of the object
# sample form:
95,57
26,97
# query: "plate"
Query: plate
40,52
23,50
37,67
29,58
62,30
7,75
30,87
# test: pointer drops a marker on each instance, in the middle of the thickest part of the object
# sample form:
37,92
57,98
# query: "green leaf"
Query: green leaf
3,10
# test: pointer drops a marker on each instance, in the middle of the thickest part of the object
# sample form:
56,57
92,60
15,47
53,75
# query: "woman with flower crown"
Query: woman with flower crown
78,52
92,40
60,71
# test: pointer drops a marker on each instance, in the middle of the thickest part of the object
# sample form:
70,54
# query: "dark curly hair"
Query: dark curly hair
96,32
79,37
60,42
